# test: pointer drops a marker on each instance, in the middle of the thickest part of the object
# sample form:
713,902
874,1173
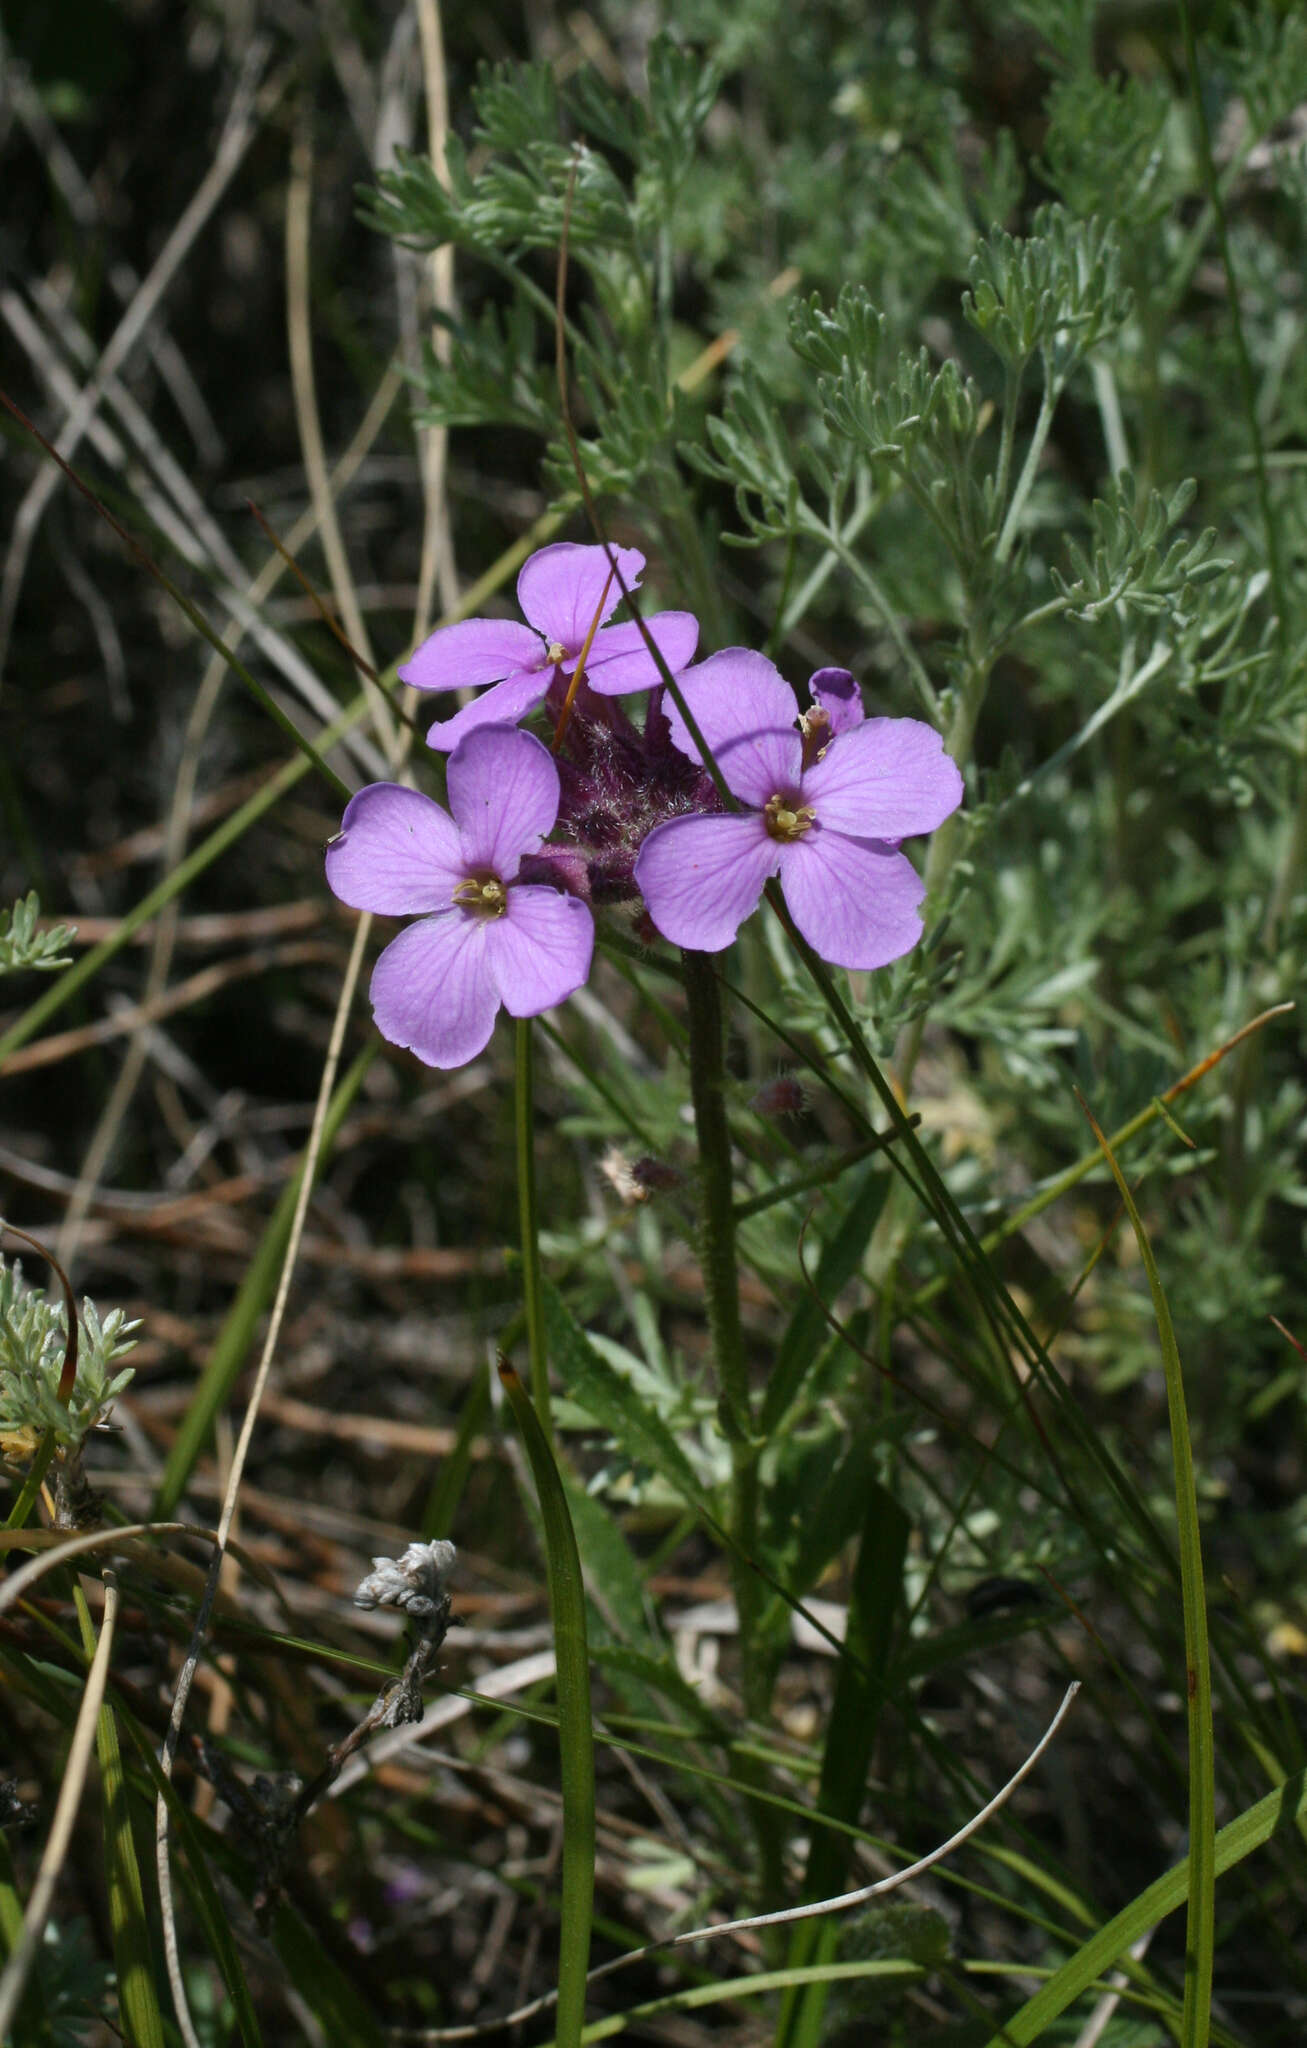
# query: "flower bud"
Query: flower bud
783,1095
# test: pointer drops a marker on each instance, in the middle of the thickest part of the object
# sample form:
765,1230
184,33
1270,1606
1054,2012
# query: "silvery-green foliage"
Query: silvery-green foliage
1266,63
1066,26
931,205
1056,292
1105,149
33,1335
749,449
22,945
1126,564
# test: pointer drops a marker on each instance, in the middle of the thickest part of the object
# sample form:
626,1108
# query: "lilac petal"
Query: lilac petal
732,693
837,692
887,778
562,587
475,651
855,903
503,705
619,661
701,877
540,950
762,765
433,989
396,852
503,792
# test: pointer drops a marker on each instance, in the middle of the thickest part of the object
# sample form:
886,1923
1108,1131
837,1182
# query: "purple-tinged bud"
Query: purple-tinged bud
656,1177
783,1095
836,692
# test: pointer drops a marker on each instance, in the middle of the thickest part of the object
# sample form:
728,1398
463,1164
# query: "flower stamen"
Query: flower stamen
814,725
482,896
787,820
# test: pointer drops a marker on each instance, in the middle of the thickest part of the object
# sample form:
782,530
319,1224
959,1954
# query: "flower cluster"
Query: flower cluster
818,800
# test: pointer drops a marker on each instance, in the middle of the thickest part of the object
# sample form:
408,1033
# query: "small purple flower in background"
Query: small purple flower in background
825,800
560,590
487,936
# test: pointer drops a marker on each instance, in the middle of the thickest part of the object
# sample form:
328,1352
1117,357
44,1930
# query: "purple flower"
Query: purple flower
822,807
488,936
560,590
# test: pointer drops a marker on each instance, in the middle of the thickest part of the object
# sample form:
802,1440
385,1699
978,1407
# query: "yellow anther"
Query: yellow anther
787,820
482,896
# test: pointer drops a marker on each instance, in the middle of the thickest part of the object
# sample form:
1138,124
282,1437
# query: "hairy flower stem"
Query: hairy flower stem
707,1045
721,1282
532,1291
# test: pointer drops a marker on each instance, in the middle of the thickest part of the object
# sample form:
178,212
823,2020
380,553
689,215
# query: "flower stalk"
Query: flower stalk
707,1044
528,1212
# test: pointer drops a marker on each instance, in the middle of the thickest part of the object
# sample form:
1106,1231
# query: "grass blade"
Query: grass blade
138,2008
575,1731
1274,1815
850,1739
132,1953
1200,1936
29,2015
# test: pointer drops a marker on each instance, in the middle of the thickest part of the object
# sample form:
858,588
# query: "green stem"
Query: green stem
722,1293
1047,407
31,1486
717,1215
533,1293
1008,431
907,653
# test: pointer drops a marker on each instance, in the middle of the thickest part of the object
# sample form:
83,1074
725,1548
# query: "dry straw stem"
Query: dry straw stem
186,1676
248,109
398,741
436,573
179,818
174,506
818,1909
85,209
299,208
65,1813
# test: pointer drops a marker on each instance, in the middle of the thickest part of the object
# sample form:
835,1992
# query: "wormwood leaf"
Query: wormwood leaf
749,448
1058,292
33,1342
21,945
1267,61
683,88
614,1404
1125,563
493,376
934,203
1103,149
633,417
